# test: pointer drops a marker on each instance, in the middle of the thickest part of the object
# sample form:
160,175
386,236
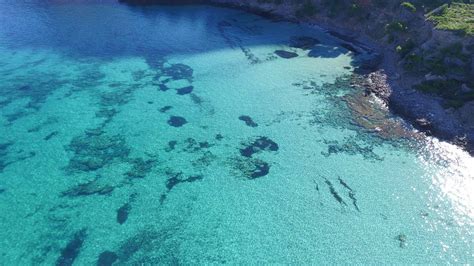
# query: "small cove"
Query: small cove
182,135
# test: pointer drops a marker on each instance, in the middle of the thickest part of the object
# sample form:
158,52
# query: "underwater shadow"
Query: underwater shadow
113,30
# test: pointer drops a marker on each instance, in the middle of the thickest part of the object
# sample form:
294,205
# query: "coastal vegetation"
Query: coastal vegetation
456,17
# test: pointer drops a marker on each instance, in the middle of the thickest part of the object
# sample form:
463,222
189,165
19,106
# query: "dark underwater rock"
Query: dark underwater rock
261,169
173,180
107,113
93,187
171,145
260,144
7,158
303,42
286,54
193,145
134,250
116,98
163,87
179,71
204,160
122,213
177,121
94,132
4,155
72,249
196,99
165,109
185,90
141,168
24,88
402,239
52,134
326,51
177,178
252,168
248,120
107,258
162,198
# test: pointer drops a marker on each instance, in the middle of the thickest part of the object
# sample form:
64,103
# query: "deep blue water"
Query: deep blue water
176,135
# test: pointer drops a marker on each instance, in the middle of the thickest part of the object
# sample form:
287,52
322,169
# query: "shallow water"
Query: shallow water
107,154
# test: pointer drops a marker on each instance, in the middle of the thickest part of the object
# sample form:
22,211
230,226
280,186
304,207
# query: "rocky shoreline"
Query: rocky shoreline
381,72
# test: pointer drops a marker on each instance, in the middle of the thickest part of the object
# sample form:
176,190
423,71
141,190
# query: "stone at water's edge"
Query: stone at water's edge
286,54
303,42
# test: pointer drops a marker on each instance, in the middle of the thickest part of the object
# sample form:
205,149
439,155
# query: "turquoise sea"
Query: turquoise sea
176,135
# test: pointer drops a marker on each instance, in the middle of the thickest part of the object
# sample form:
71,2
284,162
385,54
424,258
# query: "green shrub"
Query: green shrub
409,6
413,62
396,26
456,17
405,48
449,90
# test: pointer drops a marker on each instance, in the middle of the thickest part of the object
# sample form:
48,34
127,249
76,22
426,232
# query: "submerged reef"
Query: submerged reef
248,121
171,145
177,178
122,213
140,248
140,167
93,152
3,155
258,145
165,109
178,71
286,54
72,249
193,145
107,258
247,165
351,147
8,156
251,168
185,90
51,135
93,187
177,121
124,210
